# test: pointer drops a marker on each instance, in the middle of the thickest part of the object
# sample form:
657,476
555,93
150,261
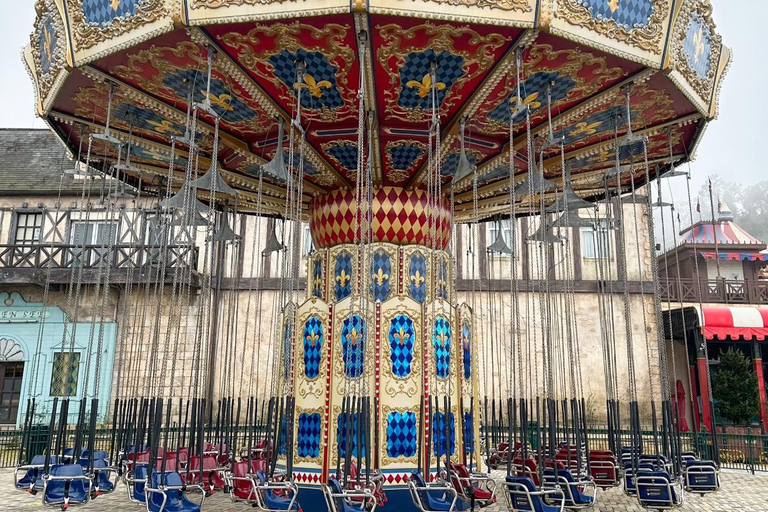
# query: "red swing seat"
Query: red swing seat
462,479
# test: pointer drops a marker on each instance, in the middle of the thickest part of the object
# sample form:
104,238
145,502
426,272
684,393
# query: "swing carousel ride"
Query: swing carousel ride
383,124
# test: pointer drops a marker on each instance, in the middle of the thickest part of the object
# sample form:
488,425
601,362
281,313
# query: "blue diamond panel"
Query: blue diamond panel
283,434
287,350
494,174
534,94
308,440
353,346
341,436
469,433
452,162
403,156
345,153
630,13
402,433
46,45
415,80
313,346
317,278
146,119
438,434
342,275
417,280
441,339
224,103
381,269
442,280
401,338
466,345
101,12
697,45
319,88
308,167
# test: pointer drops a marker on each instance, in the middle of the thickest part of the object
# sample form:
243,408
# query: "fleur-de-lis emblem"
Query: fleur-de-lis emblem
314,88
441,338
342,278
114,4
380,276
401,336
223,100
355,336
584,128
465,342
602,156
48,42
698,42
423,87
613,5
318,282
530,101
164,126
417,278
312,338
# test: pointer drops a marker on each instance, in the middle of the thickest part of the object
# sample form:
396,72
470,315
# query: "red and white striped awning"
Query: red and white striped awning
733,322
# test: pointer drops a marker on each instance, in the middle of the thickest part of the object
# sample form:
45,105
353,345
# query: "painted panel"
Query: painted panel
402,433
353,337
441,340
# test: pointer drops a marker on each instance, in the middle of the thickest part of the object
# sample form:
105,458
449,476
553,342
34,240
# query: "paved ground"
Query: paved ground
741,492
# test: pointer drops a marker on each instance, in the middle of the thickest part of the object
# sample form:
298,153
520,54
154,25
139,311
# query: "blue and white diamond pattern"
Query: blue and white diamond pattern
381,269
495,173
404,155
313,346
438,433
46,44
629,13
317,278
401,338
342,275
345,153
452,162
146,119
401,434
469,433
341,436
319,68
353,337
697,45
441,339
466,345
534,88
283,434
416,66
417,281
442,280
308,441
224,103
102,12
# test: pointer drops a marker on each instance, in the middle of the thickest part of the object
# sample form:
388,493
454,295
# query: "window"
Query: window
11,375
66,369
28,226
97,234
307,245
596,243
507,233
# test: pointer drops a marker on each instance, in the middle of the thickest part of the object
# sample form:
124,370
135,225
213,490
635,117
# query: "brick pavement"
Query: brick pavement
741,492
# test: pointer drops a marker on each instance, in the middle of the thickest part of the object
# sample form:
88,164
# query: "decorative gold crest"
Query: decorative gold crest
87,34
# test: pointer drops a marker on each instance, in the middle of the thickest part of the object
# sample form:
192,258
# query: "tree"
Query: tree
735,388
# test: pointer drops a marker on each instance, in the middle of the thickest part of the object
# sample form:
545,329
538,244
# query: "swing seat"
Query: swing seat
136,482
351,500
604,469
101,471
656,490
433,497
522,496
376,481
527,468
578,494
240,483
482,485
212,479
630,474
65,485
169,494
268,501
32,481
701,476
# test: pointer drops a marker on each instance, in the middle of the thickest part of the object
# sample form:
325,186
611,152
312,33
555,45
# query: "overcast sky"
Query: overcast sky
732,146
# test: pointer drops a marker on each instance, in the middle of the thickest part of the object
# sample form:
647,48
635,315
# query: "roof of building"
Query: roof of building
724,230
31,163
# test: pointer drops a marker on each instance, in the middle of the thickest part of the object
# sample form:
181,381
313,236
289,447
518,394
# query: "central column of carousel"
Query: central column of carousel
409,344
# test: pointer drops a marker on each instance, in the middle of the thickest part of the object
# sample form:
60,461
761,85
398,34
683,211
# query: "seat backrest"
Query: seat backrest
258,465
518,493
37,460
64,470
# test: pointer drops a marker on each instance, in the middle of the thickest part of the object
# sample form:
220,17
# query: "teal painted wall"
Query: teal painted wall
33,328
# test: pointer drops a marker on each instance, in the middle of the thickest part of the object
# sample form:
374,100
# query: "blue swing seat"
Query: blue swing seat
522,496
338,503
701,476
656,490
630,487
574,496
66,485
136,484
269,501
101,470
167,493
426,499
32,479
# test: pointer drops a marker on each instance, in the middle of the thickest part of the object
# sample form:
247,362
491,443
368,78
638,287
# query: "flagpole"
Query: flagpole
714,231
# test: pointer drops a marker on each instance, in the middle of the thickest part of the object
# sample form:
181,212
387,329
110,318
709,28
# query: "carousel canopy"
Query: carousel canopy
723,231
578,59
721,322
